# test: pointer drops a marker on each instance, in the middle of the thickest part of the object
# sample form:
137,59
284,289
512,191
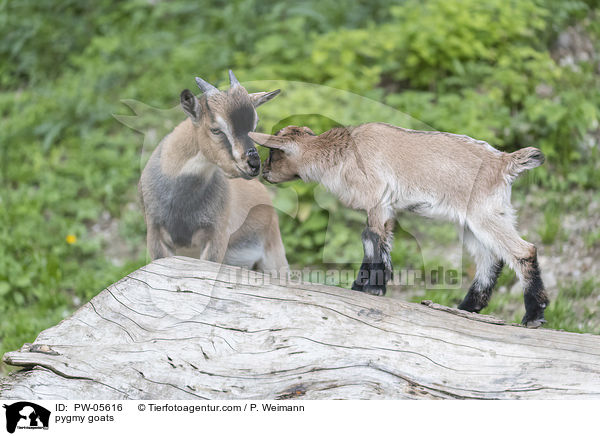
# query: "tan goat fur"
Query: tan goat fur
384,169
198,191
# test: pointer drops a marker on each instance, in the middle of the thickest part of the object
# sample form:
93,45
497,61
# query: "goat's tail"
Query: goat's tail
524,159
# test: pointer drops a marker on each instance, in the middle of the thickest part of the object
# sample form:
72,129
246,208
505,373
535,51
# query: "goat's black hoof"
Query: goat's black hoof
533,322
374,290
534,314
357,287
470,305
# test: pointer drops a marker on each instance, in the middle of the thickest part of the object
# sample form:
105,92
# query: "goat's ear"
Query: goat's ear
269,141
259,98
190,105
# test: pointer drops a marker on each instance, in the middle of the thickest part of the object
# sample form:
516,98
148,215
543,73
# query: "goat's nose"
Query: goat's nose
253,159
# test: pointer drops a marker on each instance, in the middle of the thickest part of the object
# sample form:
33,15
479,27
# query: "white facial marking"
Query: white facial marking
227,131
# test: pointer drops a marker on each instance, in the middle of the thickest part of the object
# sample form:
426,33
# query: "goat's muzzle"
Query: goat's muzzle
253,160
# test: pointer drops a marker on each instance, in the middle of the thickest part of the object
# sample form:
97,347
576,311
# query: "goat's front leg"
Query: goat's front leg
216,247
159,244
376,268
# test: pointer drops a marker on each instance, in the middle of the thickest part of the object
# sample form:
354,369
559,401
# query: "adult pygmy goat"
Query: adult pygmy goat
196,191
384,169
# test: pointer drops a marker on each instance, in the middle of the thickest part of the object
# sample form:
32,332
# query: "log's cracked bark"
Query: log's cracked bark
181,328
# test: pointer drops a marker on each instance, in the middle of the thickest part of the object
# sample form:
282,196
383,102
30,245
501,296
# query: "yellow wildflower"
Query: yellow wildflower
71,239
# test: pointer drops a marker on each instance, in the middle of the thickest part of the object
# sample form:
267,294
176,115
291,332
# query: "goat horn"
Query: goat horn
232,80
205,87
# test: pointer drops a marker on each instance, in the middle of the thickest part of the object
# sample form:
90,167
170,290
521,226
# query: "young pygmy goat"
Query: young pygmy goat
196,190
384,169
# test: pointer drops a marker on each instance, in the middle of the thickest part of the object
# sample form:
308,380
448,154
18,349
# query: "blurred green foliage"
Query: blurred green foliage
481,68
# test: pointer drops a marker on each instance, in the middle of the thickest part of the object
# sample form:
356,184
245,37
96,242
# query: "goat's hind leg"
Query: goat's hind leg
534,295
489,267
274,261
522,257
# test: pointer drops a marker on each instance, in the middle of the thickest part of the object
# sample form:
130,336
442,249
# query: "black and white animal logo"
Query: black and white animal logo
26,415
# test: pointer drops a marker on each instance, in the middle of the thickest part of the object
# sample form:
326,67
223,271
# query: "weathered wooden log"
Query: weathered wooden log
180,328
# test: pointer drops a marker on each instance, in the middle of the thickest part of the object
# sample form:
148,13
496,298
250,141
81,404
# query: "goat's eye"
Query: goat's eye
216,132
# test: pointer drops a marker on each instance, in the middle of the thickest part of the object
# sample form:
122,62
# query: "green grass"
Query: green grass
551,226
592,238
577,291
574,315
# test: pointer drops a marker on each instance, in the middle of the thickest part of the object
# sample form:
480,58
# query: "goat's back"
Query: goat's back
435,161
